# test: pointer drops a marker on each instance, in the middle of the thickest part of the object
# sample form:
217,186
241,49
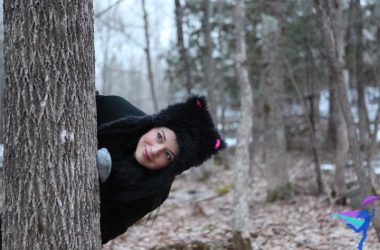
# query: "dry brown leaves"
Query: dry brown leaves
195,214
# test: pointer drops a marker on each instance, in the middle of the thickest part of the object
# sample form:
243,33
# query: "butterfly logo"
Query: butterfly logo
359,220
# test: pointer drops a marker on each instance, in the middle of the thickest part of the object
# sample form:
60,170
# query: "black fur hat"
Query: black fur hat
196,134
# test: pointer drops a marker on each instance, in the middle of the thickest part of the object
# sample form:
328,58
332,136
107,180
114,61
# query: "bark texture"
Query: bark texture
331,129
336,68
51,183
209,68
372,146
342,149
342,142
181,46
149,57
273,90
242,223
355,66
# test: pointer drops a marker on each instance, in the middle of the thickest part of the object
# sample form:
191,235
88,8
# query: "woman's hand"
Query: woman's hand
104,164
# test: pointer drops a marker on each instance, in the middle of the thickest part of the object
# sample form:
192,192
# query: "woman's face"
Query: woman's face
157,148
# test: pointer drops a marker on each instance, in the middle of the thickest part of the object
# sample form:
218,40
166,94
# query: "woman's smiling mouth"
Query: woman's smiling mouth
146,155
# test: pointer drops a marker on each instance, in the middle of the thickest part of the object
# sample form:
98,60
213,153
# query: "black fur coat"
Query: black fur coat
130,191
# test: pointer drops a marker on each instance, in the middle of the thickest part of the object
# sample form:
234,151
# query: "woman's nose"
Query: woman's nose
157,149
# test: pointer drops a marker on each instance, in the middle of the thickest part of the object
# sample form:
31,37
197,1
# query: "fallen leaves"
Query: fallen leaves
195,216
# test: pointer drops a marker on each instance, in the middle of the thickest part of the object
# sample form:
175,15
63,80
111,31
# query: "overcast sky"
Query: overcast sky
129,48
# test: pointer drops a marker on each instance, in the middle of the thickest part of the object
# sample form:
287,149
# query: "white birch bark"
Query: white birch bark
209,68
242,221
272,80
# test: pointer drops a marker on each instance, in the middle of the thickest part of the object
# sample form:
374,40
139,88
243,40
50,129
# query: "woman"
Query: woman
145,153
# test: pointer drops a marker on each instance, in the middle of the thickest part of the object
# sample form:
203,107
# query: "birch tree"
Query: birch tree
335,18
50,177
209,69
372,141
242,223
342,150
149,57
272,85
181,46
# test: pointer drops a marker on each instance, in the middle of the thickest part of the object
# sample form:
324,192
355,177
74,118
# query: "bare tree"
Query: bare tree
209,68
181,46
273,92
342,150
331,133
371,147
51,184
242,223
336,68
148,56
377,60
2,78
106,83
108,8
355,66
342,142
311,128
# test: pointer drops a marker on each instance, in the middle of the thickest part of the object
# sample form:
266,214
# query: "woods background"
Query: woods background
294,88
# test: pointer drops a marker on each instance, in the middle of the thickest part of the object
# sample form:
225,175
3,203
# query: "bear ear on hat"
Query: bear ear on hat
198,101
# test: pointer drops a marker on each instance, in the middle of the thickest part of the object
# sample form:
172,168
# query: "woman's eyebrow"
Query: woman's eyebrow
163,133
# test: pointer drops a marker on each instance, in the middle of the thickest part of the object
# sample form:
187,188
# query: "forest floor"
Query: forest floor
198,215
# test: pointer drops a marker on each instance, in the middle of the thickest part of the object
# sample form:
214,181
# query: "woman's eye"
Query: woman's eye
168,156
159,137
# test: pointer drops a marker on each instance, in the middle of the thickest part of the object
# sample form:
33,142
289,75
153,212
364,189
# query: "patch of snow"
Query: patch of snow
66,136
231,142
377,170
328,167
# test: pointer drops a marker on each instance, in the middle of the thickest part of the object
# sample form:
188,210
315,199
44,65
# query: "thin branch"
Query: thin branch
97,15
309,123
122,31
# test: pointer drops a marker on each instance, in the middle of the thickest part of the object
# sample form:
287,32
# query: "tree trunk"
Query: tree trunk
242,223
51,182
2,81
342,143
377,18
209,70
148,57
355,62
371,147
336,68
273,90
342,148
331,139
106,84
312,136
181,46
